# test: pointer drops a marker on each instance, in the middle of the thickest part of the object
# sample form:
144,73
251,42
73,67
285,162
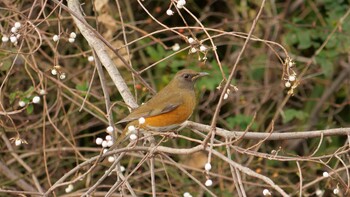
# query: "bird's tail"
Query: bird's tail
123,136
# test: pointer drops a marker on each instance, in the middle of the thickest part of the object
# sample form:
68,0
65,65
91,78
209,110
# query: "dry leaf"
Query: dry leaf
99,5
109,24
117,44
196,160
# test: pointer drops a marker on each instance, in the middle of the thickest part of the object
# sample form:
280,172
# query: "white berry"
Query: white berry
91,58
336,191
208,183
22,103
109,129
71,40
131,128
36,99
5,39
203,48
190,40
187,194
108,137
111,159
176,47
42,92
319,192
225,96
54,72
325,174
104,144
142,120
17,25
18,142
179,6
73,35
63,76
109,143
133,137
13,39
169,12
180,3
99,141
69,188
207,166
291,78
266,192
14,29
287,84
291,63
122,168
55,38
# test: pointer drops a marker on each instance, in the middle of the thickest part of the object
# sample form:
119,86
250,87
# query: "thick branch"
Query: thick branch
101,52
270,136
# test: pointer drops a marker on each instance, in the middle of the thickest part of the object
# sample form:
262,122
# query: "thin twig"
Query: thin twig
235,176
10,174
300,180
188,174
105,93
249,172
212,132
153,181
22,162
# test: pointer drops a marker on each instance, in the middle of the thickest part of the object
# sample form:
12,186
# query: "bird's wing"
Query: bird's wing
159,104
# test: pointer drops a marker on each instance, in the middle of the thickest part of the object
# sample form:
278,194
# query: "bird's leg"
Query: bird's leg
149,137
183,125
138,135
173,134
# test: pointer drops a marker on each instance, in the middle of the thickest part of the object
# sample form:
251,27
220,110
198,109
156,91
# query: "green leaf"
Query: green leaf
212,81
326,65
317,91
29,91
258,67
291,38
332,42
152,52
156,53
160,49
5,65
26,99
176,64
304,39
30,109
290,114
82,87
12,97
242,121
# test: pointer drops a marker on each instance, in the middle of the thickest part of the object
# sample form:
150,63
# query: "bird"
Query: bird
166,110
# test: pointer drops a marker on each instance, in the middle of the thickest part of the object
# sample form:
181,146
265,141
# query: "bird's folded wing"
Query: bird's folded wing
159,104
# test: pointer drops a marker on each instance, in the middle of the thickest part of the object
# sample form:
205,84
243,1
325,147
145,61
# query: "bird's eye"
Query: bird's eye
187,76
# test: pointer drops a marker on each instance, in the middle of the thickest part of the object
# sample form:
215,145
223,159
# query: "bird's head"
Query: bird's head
186,78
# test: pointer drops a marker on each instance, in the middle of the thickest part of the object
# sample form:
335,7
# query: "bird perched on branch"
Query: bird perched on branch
168,109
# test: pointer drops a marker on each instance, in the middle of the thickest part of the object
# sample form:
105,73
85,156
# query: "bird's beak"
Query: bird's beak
200,74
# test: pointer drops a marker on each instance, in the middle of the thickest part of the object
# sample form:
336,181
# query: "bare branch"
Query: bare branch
270,136
101,52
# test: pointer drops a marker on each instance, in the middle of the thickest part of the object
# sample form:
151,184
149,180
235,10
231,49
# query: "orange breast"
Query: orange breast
173,118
